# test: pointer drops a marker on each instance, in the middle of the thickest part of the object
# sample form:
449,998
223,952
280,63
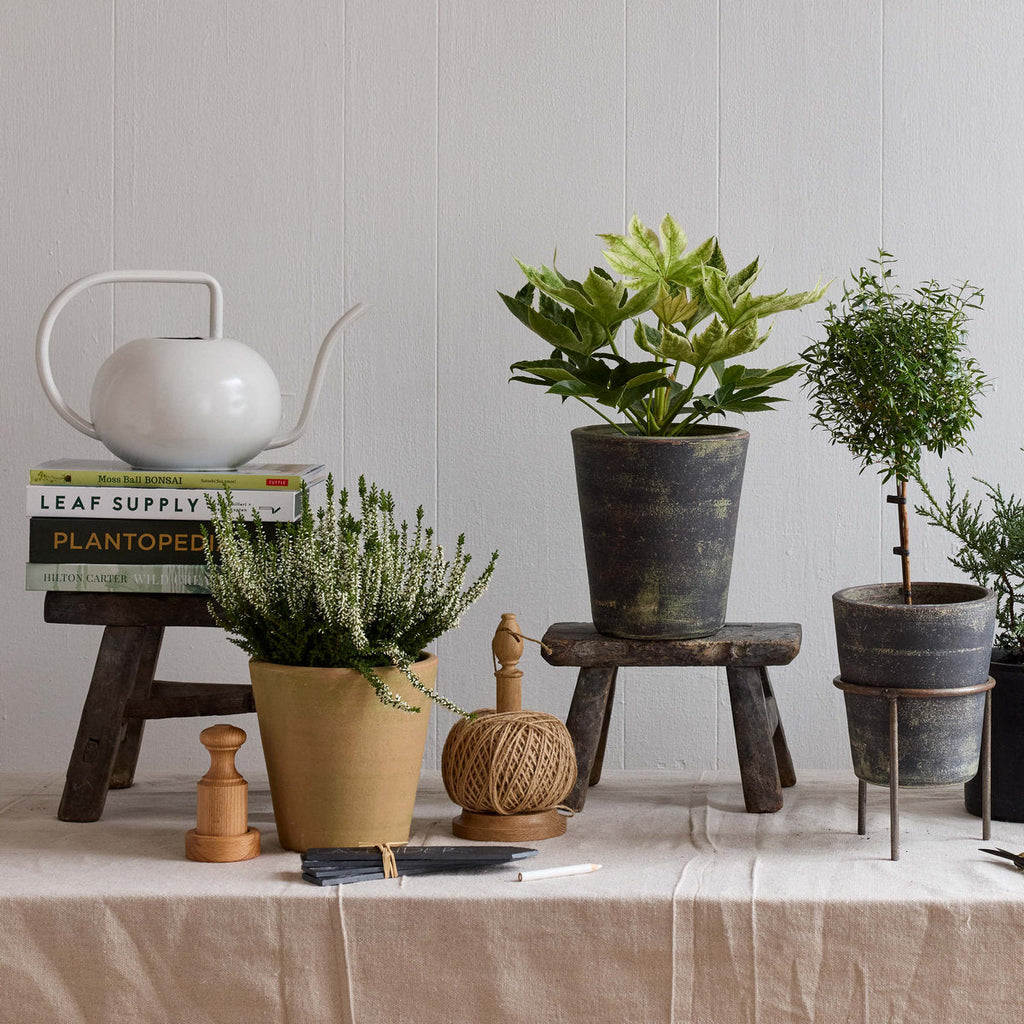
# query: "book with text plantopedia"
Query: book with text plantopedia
116,578
131,541
159,503
253,476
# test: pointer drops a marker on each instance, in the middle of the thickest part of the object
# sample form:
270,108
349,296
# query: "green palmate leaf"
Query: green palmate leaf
547,370
554,333
632,373
519,304
676,346
648,338
674,308
688,270
673,240
637,255
740,282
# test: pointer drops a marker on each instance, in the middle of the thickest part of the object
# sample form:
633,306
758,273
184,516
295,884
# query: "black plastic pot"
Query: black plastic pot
1007,744
942,641
659,523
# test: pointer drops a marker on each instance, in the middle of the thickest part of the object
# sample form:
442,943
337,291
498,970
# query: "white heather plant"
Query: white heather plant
334,591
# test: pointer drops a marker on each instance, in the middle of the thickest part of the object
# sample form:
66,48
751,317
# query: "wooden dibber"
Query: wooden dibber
507,768
222,832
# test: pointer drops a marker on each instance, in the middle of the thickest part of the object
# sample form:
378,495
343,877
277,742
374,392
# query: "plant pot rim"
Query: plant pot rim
883,592
701,432
425,658
998,658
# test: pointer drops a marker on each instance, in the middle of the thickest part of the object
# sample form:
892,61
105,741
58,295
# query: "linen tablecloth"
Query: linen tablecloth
701,913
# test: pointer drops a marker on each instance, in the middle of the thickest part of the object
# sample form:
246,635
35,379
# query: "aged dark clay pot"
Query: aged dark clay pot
659,524
1007,744
942,641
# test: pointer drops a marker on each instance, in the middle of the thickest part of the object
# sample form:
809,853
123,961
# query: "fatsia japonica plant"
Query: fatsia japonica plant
703,316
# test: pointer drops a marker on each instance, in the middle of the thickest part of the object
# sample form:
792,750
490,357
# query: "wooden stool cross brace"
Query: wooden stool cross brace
745,650
123,694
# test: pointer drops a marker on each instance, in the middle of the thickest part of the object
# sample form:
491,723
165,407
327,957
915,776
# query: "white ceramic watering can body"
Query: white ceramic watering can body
182,403
176,403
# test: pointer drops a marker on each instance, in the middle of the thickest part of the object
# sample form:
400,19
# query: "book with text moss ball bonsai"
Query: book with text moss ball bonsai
116,578
254,476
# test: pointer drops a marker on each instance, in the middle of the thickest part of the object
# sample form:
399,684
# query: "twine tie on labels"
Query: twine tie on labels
388,862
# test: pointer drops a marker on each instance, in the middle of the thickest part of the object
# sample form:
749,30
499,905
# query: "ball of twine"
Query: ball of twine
508,762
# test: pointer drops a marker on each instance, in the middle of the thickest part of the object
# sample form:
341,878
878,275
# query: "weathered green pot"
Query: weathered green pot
942,641
1007,744
659,523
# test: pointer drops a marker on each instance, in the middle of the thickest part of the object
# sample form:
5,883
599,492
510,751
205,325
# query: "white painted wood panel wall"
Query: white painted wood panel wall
401,152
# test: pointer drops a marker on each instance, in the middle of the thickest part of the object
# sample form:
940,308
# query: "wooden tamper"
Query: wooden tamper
222,831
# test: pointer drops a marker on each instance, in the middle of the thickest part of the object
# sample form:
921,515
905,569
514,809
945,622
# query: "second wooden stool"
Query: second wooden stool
743,649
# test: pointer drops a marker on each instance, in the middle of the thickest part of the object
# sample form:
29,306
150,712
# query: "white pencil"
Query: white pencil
569,869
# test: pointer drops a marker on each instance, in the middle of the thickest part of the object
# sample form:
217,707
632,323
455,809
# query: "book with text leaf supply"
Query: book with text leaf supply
133,541
116,578
160,502
253,476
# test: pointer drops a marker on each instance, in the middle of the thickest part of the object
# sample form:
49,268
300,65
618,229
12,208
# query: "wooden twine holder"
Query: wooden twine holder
222,834
508,769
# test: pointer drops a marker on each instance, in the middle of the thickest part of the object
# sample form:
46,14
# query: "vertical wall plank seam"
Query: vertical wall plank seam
113,167
882,506
437,741
719,673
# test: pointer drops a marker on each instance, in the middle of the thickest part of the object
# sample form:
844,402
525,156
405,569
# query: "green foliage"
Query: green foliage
891,378
991,551
332,590
580,320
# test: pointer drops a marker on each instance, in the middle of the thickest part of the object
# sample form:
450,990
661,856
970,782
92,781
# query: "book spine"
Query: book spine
127,541
204,480
154,503
117,578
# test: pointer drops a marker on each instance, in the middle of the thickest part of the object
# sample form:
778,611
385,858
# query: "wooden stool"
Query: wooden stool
123,693
744,649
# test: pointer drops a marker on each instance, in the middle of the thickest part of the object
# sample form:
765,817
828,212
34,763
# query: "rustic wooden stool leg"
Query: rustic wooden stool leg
759,771
586,721
787,774
131,732
99,730
595,772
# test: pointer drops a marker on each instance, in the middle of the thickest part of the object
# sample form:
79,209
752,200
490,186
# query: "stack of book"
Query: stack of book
100,525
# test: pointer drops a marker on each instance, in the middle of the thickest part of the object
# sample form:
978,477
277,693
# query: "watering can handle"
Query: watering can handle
111,277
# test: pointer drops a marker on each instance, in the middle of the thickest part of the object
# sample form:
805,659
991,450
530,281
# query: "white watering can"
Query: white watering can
182,403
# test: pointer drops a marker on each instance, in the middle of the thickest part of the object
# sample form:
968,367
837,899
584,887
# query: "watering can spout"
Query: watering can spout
317,378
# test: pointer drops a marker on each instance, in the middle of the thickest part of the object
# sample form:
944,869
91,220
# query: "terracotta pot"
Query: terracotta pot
1007,744
659,523
942,641
343,767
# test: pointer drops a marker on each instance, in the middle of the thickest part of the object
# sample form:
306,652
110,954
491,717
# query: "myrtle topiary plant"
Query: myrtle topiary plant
991,552
891,379
335,591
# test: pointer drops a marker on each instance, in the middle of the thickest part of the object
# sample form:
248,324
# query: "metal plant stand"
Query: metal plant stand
893,694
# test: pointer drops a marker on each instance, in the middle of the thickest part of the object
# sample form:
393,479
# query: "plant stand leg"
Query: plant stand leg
759,771
131,733
862,807
99,730
894,779
587,723
986,769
